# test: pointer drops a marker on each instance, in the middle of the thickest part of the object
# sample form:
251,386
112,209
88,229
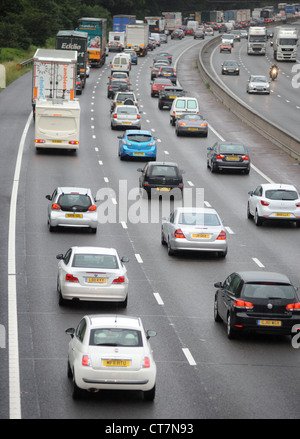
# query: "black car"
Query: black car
199,34
161,177
167,72
257,301
176,34
226,155
230,67
167,95
116,85
155,68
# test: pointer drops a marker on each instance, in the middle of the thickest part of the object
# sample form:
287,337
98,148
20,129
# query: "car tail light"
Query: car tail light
179,234
71,278
56,206
242,304
119,280
146,362
203,124
85,360
293,306
73,142
219,156
115,116
222,235
264,203
110,87
92,208
40,141
297,204
138,116
245,157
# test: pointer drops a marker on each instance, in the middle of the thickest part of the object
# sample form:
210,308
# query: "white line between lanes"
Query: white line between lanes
138,258
158,298
257,261
189,356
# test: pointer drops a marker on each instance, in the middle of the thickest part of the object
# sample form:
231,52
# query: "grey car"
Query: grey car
258,84
194,229
230,67
125,116
191,124
72,207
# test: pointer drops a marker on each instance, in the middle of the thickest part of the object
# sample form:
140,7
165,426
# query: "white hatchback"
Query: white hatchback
274,202
111,352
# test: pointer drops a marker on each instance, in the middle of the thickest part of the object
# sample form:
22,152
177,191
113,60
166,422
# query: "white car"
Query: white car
274,202
72,207
194,229
88,69
258,84
92,274
111,352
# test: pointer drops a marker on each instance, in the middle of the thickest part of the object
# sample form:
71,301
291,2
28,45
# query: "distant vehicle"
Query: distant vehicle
228,39
120,97
191,124
133,55
115,85
167,95
276,202
167,72
258,84
137,144
163,55
158,84
125,116
230,67
111,352
199,34
156,67
182,105
72,207
176,35
194,229
230,156
78,85
225,48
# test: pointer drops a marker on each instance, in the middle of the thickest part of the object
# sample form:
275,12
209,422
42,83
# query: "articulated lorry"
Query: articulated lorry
137,36
57,124
97,38
285,44
257,40
54,75
156,24
75,40
173,20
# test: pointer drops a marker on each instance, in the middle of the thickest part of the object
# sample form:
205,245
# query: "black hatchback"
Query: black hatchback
255,301
161,177
167,95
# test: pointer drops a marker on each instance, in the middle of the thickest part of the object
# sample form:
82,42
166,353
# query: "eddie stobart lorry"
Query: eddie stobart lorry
97,38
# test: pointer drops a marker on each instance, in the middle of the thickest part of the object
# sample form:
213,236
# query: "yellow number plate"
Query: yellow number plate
282,214
163,189
193,129
232,158
172,97
126,123
200,235
56,141
96,280
73,215
116,363
138,153
269,322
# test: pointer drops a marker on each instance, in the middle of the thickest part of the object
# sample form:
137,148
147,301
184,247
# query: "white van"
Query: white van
182,105
121,63
57,124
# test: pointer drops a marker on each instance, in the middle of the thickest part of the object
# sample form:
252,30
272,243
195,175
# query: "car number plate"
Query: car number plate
138,153
172,97
282,214
73,215
56,141
96,280
193,129
269,322
200,235
116,363
126,123
163,188
232,158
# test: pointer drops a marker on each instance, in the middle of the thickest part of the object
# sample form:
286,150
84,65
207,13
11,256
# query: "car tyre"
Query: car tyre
249,214
213,167
77,392
230,331
61,300
149,395
217,317
171,252
162,239
124,304
69,371
257,219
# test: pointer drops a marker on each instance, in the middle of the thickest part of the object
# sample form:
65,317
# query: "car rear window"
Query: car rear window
71,200
281,194
95,261
197,218
127,110
268,290
139,137
191,104
168,171
229,149
116,337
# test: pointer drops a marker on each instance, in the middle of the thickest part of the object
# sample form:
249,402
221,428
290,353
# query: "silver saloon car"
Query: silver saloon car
258,84
194,229
92,274
72,207
125,116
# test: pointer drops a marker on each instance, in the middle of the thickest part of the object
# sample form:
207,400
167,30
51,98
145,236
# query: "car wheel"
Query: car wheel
257,219
171,252
51,228
162,240
177,133
222,254
213,167
61,300
217,317
124,304
230,331
69,370
149,395
77,392
94,230
249,214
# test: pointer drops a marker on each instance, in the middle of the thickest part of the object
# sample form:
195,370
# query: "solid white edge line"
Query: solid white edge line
13,346
189,356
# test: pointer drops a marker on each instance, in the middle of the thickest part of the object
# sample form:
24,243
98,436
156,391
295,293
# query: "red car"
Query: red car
225,48
158,84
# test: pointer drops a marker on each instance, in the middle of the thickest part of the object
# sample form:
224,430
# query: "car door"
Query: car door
62,267
169,226
229,293
76,344
255,199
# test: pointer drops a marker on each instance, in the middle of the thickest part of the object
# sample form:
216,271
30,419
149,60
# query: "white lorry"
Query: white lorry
54,75
257,40
137,36
57,124
173,20
285,44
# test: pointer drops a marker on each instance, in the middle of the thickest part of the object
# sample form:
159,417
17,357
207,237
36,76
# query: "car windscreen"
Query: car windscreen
259,79
268,290
280,194
198,218
139,137
115,337
232,149
86,260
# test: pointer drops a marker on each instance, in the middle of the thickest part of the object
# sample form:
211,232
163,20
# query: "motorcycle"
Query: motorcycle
273,72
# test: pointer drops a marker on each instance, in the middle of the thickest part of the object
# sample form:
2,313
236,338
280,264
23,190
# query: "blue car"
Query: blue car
133,54
137,144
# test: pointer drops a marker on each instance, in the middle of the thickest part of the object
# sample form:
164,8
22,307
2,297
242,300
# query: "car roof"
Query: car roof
138,132
162,164
195,210
69,189
267,186
94,250
263,276
115,321
127,106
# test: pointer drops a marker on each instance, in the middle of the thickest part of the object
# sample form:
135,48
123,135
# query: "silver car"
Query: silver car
258,84
92,274
274,202
72,207
194,229
125,116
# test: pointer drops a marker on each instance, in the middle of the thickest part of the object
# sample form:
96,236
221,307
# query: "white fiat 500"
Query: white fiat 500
111,352
92,274
274,202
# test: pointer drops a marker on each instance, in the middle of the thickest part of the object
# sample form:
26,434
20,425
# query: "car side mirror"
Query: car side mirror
250,193
209,148
139,170
70,331
150,333
48,197
218,285
124,259
60,256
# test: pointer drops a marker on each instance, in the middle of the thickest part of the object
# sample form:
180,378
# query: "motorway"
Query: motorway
201,374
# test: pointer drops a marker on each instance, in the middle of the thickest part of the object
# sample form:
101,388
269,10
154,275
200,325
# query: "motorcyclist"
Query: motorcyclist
274,72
